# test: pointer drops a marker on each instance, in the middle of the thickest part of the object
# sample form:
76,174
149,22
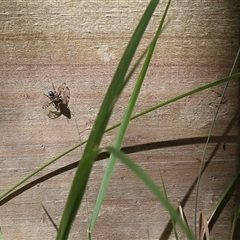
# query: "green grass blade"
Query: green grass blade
172,219
92,147
1,236
234,224
124,125
225,193
153,187
109,169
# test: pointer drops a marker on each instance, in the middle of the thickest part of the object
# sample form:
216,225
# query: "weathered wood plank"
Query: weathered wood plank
80,43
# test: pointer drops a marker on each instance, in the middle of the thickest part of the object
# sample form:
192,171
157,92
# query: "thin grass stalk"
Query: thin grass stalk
206,145
174,99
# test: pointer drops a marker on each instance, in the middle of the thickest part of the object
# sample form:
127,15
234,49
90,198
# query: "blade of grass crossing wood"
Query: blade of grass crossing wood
112,161
92,146
225,193
174,99
124,125
234,223
153,187
172,220
103,186
196,90
1,236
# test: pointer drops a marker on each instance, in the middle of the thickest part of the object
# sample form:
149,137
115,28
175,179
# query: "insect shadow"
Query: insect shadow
59,100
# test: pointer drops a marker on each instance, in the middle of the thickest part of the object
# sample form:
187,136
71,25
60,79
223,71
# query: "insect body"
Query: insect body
59,99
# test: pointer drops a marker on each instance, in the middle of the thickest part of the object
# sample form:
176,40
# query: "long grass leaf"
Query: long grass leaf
234,223
153,187
172,220
124,125
92,147
221,200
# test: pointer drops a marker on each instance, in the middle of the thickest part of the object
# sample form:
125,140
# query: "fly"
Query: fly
59,99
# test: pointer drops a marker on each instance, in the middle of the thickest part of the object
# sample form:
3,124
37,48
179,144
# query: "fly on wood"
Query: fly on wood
59,99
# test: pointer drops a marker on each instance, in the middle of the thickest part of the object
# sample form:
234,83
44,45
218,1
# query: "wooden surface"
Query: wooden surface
80,43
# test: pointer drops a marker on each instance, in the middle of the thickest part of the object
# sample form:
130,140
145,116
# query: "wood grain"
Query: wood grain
80,43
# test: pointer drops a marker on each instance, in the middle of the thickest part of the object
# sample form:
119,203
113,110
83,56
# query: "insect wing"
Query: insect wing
64,93
66,96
